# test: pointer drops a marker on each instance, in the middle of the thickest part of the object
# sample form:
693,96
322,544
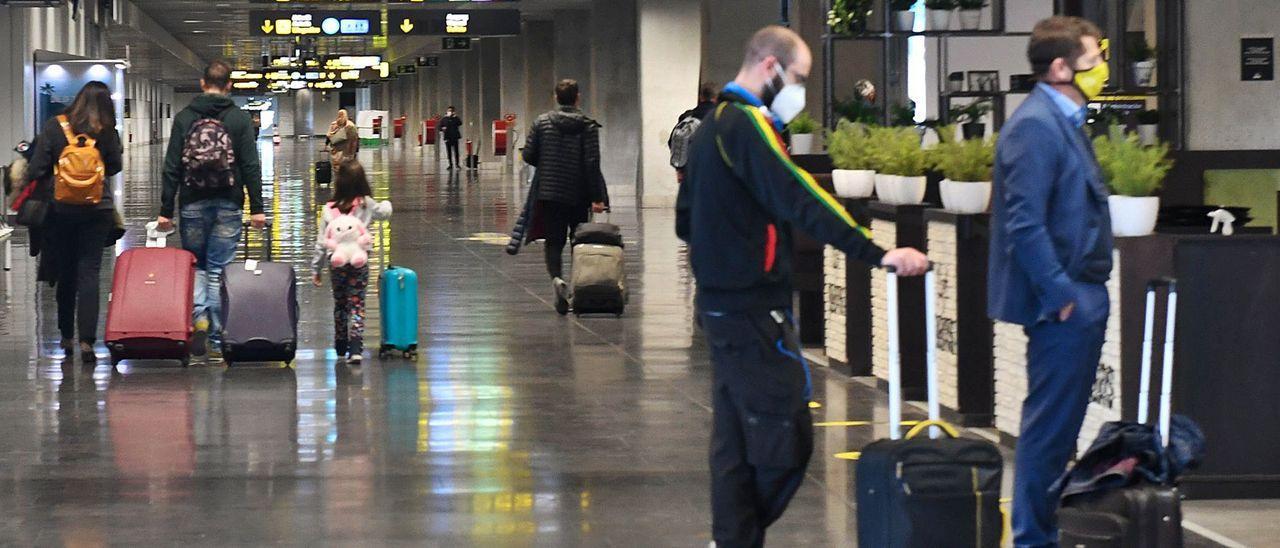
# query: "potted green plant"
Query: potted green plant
858,111
851,153
969,117
903,14
966,166
1149,127
940,13
901,165
1134,173
802,129
849,16
1142,59
971,13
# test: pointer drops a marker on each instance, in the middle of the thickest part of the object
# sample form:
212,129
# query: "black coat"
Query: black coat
451,128
564,145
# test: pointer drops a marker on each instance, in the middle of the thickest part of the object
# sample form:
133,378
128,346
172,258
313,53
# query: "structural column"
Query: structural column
490,65
670,39
539,63
613,100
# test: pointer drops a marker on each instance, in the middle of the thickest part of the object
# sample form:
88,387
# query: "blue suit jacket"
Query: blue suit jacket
1051,227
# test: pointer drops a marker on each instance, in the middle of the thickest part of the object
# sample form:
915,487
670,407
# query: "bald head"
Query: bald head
774,53
781,43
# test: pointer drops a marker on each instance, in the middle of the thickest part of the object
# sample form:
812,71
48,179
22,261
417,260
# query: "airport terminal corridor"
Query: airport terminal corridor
514,427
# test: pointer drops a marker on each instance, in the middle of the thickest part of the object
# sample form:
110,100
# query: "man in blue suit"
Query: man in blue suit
1051,258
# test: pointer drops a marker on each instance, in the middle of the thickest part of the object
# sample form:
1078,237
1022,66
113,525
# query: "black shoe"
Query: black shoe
87,355
340,348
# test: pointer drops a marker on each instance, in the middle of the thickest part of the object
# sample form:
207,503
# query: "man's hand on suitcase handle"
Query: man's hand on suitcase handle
598,207
164,224
906,261
258,220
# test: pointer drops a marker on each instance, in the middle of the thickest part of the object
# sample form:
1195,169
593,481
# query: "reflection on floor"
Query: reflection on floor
514,427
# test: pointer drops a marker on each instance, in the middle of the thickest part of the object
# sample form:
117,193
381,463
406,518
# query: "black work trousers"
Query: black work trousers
560,221
79,235
451,152
762,433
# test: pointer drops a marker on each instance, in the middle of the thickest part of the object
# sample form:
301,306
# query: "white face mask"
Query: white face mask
789,101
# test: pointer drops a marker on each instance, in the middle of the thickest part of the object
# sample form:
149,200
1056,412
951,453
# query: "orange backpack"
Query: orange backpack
79,174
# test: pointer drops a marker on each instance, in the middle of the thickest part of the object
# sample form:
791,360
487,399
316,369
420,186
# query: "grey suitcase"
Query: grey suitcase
598,283
259,310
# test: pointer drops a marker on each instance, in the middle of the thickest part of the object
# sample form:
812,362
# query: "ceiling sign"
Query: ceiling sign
406,69
429,61
315,23
455,43
429,2
454,22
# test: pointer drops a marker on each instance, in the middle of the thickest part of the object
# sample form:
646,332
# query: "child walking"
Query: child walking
344,243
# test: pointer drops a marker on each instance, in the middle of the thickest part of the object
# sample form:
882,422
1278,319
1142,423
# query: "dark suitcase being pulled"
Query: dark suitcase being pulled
919,492
324,172
259,310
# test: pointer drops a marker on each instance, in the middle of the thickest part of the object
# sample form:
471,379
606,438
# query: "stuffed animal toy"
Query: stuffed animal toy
348,239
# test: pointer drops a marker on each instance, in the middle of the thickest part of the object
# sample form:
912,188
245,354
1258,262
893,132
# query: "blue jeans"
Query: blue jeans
1062,361
211,231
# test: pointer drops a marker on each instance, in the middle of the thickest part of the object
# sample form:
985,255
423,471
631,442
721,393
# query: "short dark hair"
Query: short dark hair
708,92
567,92
217,75
451,108
1058,37
780,42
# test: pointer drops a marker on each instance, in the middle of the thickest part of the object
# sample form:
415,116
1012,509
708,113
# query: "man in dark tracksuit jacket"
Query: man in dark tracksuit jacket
450,130
736,209
212,219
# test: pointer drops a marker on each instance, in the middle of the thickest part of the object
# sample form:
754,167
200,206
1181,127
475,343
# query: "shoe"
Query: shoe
68,347
215,355
355,359
562,295
200,338
341,348
87,354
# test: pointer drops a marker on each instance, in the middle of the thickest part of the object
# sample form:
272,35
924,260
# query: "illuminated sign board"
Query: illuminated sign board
315,23
403,22
454,43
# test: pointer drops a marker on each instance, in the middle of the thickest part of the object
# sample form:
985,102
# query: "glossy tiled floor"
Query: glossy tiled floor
515,427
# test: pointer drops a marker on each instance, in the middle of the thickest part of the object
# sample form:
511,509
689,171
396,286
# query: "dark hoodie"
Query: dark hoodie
564,145
243,138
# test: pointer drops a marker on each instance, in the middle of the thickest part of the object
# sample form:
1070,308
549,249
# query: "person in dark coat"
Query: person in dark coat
451,131
564,146
74,235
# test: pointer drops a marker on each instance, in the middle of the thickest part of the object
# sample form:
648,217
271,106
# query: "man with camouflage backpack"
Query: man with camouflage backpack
211,161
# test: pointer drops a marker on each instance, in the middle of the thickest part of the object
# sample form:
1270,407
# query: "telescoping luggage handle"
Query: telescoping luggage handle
1166,374
266,241
895,355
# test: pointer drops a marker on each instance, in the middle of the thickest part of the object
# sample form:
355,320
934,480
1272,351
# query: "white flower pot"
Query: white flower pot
887,188
906,20
1133,216
802,144
970,19
911,190
1144,73
854,183
964,197
939,19
1149,134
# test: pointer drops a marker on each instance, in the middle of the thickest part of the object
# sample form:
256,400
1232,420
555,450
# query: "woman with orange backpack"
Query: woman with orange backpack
75,155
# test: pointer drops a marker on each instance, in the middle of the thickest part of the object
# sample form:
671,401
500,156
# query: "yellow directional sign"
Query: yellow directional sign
267,27
406,26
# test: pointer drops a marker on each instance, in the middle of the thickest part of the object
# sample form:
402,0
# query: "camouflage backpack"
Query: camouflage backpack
208,157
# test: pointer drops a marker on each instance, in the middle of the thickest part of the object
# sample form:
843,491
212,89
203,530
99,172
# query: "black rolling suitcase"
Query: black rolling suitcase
324,172
1140,515
259,309
921,491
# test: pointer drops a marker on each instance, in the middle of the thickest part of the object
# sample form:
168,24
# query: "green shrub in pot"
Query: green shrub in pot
803,124
850,146
899,152
849,16
965,160
1129,168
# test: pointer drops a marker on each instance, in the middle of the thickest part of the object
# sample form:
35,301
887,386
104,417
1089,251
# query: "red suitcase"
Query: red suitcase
149,313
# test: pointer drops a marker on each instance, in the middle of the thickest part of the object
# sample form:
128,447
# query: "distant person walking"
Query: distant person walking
344,139
79,224
451,131
564,147
211,164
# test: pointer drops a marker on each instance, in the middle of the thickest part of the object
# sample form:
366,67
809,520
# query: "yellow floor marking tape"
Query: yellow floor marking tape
849,455
814,405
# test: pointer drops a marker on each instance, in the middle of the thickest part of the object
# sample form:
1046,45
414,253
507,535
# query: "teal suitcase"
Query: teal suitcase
398,302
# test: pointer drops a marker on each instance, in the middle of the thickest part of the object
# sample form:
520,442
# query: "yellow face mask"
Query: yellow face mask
1091,82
